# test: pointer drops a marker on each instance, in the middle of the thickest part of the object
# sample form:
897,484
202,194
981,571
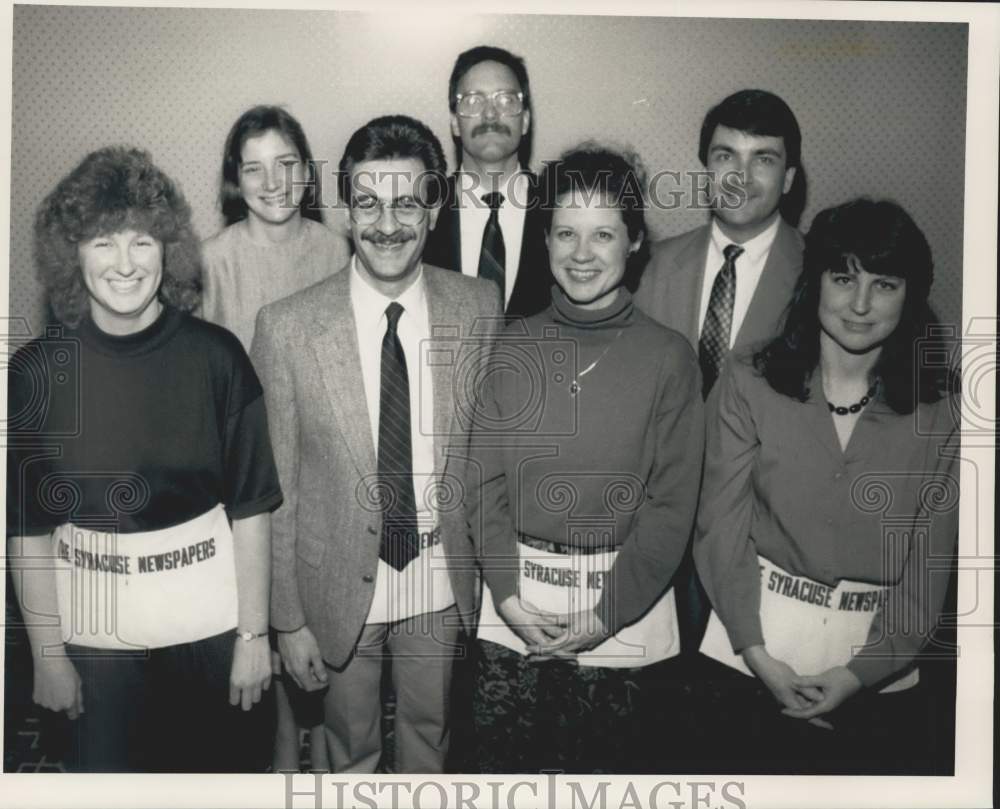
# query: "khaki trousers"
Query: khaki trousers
421,651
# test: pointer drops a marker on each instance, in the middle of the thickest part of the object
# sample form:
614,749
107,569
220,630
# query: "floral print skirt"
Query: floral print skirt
555,716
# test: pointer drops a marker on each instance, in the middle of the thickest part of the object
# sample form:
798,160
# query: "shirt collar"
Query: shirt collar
370,304
754,249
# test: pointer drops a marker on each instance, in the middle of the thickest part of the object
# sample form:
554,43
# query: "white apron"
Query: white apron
807,624
567,583
148,589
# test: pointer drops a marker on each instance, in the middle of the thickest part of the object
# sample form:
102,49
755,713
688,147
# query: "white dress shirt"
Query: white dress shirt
749,267
423,585
474,213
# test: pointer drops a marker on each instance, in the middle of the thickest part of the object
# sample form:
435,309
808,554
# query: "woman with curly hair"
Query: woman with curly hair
274,242
140,478
829,505
589,441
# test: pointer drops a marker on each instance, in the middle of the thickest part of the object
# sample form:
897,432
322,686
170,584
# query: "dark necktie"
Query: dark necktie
398,546
493,255
714,343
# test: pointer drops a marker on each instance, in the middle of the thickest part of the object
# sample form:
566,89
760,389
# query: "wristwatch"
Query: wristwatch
249,636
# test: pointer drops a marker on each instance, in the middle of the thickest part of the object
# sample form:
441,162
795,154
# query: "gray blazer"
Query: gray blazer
325,536
670,289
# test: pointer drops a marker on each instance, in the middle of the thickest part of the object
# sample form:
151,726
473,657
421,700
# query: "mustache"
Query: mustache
491,126
386,239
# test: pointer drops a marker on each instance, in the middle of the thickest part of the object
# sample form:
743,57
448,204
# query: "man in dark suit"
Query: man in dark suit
490,223
371,556
727,284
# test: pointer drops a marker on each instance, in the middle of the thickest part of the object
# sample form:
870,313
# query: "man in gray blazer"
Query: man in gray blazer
727,284
365,377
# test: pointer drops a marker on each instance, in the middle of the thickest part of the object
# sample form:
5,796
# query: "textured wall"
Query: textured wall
881,105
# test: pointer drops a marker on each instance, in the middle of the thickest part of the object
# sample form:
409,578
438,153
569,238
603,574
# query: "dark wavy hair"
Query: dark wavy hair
256,121
885,240
393,137
114,189
490,53
759,112
617,176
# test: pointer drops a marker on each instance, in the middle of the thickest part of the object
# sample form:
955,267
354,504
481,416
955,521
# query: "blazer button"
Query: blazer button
372,529
368,578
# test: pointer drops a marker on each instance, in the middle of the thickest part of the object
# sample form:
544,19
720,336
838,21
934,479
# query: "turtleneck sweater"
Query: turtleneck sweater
615,464
135,432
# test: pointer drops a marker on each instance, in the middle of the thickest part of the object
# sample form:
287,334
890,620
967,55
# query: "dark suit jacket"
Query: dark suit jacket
670,288
325,536
533,284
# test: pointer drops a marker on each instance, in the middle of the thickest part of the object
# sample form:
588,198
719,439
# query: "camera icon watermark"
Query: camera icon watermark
43,379
945,349
508,384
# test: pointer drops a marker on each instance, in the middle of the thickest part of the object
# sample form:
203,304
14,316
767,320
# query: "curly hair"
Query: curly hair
885,240
618,175
254,122
114,189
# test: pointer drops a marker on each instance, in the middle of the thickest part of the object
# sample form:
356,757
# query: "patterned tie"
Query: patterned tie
493,255
399,545
714,343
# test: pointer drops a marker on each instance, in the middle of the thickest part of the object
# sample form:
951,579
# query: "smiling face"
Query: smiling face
588,249
750,177
858,310
388,252
122,273
271,177
489,139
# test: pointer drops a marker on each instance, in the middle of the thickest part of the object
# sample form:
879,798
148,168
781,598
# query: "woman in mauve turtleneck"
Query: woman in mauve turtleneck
589,443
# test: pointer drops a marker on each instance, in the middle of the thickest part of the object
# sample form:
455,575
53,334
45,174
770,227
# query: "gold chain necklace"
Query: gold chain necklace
575,387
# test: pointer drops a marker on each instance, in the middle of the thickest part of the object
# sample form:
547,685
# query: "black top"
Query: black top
135,433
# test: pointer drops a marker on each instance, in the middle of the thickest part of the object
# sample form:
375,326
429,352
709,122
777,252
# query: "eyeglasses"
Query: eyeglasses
368,210
469,105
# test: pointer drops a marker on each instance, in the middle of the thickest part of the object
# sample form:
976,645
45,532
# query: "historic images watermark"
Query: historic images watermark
552,791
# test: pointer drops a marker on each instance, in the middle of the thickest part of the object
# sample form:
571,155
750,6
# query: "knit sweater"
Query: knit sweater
241,275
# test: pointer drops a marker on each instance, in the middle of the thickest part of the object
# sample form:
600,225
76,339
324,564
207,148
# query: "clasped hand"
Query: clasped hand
801,696
548,635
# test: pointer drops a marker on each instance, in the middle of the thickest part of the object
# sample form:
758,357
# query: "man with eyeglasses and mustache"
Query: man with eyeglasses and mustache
490,223
364,378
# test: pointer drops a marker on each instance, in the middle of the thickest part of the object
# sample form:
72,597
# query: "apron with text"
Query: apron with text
146,589
567,583
807,624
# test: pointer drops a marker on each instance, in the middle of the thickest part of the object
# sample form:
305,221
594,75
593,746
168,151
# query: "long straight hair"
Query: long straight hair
256,121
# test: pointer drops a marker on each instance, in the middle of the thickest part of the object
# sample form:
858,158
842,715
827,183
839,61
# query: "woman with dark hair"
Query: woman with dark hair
830,487
140,478
274,242
589,440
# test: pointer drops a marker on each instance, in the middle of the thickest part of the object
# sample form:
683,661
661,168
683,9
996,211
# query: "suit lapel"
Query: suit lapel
774,289
443,311
685,299
448,220
335,344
